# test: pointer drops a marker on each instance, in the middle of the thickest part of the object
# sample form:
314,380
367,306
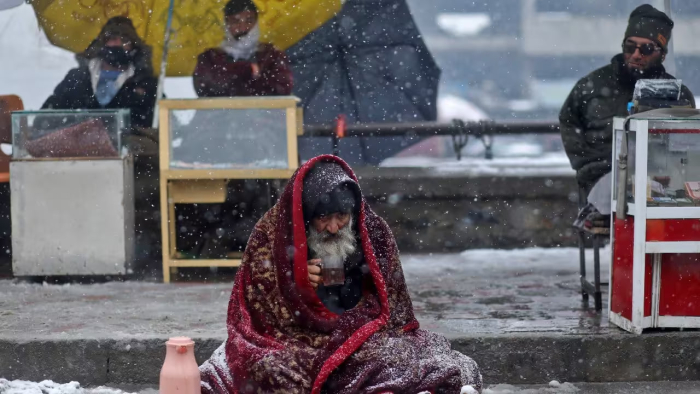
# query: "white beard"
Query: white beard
342,246
244,47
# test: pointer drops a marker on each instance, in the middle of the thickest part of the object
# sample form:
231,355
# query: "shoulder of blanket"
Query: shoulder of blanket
376,225
267,224
379,231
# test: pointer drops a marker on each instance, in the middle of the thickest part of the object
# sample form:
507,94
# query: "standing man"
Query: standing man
587,115
242,66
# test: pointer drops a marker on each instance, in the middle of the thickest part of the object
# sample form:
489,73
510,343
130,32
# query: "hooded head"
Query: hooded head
119,45
646,40
331,202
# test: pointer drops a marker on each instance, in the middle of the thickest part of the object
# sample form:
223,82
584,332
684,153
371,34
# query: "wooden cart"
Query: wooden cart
230,128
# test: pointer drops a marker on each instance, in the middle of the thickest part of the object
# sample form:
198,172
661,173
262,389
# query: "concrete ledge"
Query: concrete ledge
430,183
441,211
527,359
90,361
537,359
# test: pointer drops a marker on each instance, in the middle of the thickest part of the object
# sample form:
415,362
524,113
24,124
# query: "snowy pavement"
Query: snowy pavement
492,292
518,313
49,387
480,292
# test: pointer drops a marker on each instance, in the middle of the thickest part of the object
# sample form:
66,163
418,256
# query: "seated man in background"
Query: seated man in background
115,71
290,331
242,66
586,118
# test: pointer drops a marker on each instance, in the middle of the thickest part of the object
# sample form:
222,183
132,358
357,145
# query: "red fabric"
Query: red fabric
217,75
281,338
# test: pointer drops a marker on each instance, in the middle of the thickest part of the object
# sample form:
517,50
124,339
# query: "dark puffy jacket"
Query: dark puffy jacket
137,94
587,115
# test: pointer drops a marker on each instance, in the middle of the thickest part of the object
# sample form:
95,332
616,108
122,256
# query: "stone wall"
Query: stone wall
433,211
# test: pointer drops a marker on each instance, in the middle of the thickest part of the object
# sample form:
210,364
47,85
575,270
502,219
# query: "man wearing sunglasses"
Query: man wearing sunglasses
587,115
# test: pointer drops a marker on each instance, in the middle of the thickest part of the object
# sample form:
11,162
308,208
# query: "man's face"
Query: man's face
641,54
241,23
331,223
332,236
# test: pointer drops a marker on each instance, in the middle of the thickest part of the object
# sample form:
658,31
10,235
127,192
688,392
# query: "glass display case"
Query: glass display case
229,134
656,240
205,143
228,138
672,157
72,193
69,134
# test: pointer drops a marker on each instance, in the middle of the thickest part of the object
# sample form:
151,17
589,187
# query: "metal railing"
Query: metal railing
459,131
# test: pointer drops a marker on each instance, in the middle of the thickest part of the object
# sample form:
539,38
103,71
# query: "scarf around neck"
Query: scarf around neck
244,47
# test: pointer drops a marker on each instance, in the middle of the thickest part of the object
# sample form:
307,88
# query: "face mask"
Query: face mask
244,47
116,56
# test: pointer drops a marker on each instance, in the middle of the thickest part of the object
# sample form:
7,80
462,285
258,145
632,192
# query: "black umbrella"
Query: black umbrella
369,63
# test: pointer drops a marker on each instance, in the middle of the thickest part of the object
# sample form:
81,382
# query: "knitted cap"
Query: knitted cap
648,22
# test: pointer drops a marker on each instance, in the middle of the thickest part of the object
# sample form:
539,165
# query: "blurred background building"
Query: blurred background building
500,59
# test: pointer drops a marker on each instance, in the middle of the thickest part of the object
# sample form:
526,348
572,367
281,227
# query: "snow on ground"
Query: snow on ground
547,165
554,388
478,292
50,387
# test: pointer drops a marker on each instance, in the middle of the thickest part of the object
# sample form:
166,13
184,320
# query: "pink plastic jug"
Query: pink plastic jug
180,373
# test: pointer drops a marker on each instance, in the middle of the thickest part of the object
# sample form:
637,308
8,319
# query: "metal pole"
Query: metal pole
427,129
670,56
164,62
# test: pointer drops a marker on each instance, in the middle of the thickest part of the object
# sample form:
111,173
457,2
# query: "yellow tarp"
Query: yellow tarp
197,24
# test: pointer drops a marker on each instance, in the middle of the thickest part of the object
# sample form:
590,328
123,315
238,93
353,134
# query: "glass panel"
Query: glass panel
674,168
68,134
228,139
631,141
